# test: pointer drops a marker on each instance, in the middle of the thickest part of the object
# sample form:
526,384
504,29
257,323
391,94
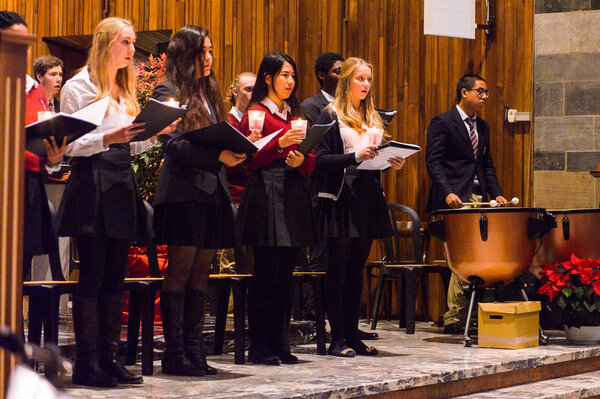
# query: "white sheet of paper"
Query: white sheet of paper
263,142
94,112
380,162
454,18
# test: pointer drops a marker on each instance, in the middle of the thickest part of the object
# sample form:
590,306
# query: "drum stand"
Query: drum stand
467,340
543,337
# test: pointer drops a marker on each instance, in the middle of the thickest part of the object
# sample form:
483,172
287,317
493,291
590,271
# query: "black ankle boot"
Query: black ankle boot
86,370
175,361
193,324
110,309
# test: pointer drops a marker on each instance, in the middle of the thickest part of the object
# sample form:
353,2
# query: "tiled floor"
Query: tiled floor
405,361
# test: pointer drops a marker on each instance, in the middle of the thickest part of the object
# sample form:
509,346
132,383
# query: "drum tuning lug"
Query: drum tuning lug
483,228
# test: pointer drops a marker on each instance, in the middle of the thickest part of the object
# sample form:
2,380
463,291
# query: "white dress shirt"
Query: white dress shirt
274,109
236,113
78,92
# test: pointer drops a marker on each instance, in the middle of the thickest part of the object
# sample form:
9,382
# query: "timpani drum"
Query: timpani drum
487,246
577,231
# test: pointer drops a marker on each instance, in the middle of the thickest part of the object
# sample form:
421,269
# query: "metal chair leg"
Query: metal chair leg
378,295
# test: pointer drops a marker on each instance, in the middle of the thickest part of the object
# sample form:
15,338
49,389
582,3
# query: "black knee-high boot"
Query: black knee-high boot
193,325
87,371
110,309
174,360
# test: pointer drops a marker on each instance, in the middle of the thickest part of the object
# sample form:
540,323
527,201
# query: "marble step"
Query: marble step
577,386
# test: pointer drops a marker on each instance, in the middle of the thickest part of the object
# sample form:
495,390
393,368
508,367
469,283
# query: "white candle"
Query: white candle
172,103
300,124
43,115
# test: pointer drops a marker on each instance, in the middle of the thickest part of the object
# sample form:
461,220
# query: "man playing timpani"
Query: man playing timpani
459,162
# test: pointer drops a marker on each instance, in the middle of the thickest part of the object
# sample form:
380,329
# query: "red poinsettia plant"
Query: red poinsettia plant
573,291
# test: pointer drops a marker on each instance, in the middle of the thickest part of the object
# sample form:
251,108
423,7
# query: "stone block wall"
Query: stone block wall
566,103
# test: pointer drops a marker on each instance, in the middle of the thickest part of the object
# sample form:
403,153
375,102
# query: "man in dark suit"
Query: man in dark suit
327,70
459,162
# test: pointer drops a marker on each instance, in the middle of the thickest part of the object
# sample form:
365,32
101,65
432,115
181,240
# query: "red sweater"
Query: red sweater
35,101
272,151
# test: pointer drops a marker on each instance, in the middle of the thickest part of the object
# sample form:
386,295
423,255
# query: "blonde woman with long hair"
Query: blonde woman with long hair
351,210
101,206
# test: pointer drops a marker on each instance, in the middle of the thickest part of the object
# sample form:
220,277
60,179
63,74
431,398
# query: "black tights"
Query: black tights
343,286
103,263
188,268
270,299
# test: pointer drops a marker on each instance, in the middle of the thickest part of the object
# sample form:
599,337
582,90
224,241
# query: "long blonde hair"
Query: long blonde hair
354,118
105,35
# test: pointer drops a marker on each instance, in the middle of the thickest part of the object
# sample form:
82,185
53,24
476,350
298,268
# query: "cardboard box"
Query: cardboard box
509,325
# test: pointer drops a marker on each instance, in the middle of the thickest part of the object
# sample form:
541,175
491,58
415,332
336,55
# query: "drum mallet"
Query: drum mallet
493,203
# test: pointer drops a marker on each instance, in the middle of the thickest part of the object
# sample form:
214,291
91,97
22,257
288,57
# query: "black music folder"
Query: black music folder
315,135
389,150
222,135
73,126
157,116
386,115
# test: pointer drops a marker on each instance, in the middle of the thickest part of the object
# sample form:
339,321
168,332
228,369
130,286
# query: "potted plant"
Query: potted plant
572,290
147,164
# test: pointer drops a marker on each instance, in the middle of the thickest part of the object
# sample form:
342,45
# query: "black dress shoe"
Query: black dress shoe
91,375
210,370
454,328
366,336
288,358
124,376
270,360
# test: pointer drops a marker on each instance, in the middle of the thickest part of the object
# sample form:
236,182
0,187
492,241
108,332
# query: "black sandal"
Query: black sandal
361,349
341,351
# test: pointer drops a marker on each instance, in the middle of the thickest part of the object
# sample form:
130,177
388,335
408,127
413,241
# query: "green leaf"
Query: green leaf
567,292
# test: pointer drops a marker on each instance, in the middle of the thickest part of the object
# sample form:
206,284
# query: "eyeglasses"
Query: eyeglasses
481,92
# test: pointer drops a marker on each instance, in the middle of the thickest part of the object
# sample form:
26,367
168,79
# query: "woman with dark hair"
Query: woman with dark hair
193,214
275,215
351,209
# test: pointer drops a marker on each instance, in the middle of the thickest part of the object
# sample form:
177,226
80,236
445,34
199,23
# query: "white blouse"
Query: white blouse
353,140
78,92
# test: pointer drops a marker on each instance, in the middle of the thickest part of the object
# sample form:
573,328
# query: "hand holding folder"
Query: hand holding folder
157,116
391,149
225,137
60,125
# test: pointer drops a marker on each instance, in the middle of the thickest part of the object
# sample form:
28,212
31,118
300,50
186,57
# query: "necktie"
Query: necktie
472,134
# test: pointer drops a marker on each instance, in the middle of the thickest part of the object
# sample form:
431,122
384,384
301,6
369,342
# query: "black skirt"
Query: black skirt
38,232
275,210
194,223
102,198
359,212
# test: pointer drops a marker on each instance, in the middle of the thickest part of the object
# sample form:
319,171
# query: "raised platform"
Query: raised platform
427,364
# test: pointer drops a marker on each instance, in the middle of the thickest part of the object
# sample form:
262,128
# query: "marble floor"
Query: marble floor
405,361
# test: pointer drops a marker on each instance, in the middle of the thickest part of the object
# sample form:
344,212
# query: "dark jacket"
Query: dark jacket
189,172
331,162
312,107
451,163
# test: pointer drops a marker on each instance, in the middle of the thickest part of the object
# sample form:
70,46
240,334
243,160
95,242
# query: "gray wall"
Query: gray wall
566,103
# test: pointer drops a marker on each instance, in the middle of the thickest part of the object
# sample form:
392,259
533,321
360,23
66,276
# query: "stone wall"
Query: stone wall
566,103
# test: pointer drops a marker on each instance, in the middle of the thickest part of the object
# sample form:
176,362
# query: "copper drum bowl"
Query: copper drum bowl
577,232
487,246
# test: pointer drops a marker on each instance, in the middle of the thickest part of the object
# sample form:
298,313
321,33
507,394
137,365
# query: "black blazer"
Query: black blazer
331,162
189,172
451,163
312,107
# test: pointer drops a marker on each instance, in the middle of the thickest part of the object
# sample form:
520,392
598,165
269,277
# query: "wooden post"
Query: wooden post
13,66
